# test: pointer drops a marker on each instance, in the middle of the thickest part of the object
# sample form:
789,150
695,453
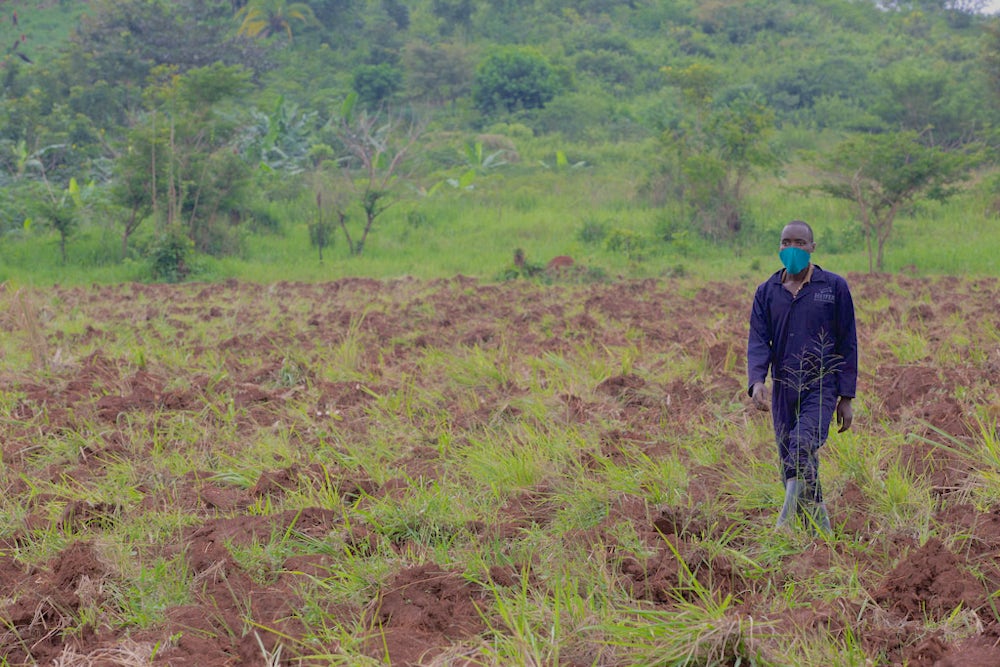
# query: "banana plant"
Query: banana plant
477,160
278,141
63,211
562,163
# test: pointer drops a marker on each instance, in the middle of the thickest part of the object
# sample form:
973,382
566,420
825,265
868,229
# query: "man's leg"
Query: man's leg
783,416
801,424
791,506
809,433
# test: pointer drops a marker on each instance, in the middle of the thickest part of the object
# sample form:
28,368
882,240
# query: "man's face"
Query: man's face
797,236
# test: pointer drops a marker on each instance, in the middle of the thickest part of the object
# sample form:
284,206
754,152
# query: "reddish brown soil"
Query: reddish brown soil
234,344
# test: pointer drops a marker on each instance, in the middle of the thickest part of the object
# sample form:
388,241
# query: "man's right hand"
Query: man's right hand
759,394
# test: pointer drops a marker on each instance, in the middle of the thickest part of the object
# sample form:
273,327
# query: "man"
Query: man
802,329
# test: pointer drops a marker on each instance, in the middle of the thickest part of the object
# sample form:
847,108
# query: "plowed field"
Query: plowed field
455,472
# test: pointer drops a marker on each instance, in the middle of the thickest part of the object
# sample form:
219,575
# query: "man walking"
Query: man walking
802,328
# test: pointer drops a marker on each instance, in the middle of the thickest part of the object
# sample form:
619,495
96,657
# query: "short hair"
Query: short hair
805,224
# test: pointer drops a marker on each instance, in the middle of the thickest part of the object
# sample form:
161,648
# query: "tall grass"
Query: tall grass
547,212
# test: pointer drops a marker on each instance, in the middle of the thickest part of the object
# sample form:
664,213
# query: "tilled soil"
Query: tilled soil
87,370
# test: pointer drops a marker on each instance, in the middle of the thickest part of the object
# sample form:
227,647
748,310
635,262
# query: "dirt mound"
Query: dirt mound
930,583
422,610
48,602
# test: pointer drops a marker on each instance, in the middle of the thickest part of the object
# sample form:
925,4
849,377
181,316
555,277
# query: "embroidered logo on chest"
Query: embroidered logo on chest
825,295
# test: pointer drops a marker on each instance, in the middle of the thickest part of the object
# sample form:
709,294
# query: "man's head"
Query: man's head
797,234
796,247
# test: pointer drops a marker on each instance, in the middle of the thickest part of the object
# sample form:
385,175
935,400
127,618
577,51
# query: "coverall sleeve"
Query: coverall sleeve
759,341
847,344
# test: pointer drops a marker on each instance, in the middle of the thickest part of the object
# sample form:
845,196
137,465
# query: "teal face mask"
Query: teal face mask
796,260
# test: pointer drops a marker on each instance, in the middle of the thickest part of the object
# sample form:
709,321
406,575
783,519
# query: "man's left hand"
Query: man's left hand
845,414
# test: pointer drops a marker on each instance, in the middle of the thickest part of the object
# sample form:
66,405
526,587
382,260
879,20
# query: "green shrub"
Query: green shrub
513,78
376,84
593,231
170,255
416,218
627,242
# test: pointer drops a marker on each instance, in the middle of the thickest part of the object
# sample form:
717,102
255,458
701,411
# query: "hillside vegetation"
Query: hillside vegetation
312,140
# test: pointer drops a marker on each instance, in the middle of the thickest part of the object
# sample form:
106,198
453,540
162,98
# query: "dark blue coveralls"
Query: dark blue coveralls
810,344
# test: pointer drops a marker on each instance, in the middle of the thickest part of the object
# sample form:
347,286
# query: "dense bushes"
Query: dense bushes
191,116
511,79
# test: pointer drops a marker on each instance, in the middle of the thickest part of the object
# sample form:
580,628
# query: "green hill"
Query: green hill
636,135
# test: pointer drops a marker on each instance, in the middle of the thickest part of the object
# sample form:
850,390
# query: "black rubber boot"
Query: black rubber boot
791,506
818,519
813,510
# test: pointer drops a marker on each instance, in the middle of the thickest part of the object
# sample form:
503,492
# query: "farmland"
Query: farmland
459,472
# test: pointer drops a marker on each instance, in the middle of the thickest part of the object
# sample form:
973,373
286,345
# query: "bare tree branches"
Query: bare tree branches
377,145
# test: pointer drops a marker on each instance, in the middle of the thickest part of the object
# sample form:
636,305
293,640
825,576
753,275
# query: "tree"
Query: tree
513,78
377,84
377,146
133,182
880,174
739,138
932,100
453,13
333,14
59,212
718,149
398,12
63,210
991,57
802,83
197,177
321,229
439,73
120,41
263,18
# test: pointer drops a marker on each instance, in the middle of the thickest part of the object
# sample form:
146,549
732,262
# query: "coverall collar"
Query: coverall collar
809,274
816,275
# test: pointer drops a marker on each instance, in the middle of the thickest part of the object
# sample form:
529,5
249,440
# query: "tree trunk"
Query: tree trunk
127,232
347,235
370,220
